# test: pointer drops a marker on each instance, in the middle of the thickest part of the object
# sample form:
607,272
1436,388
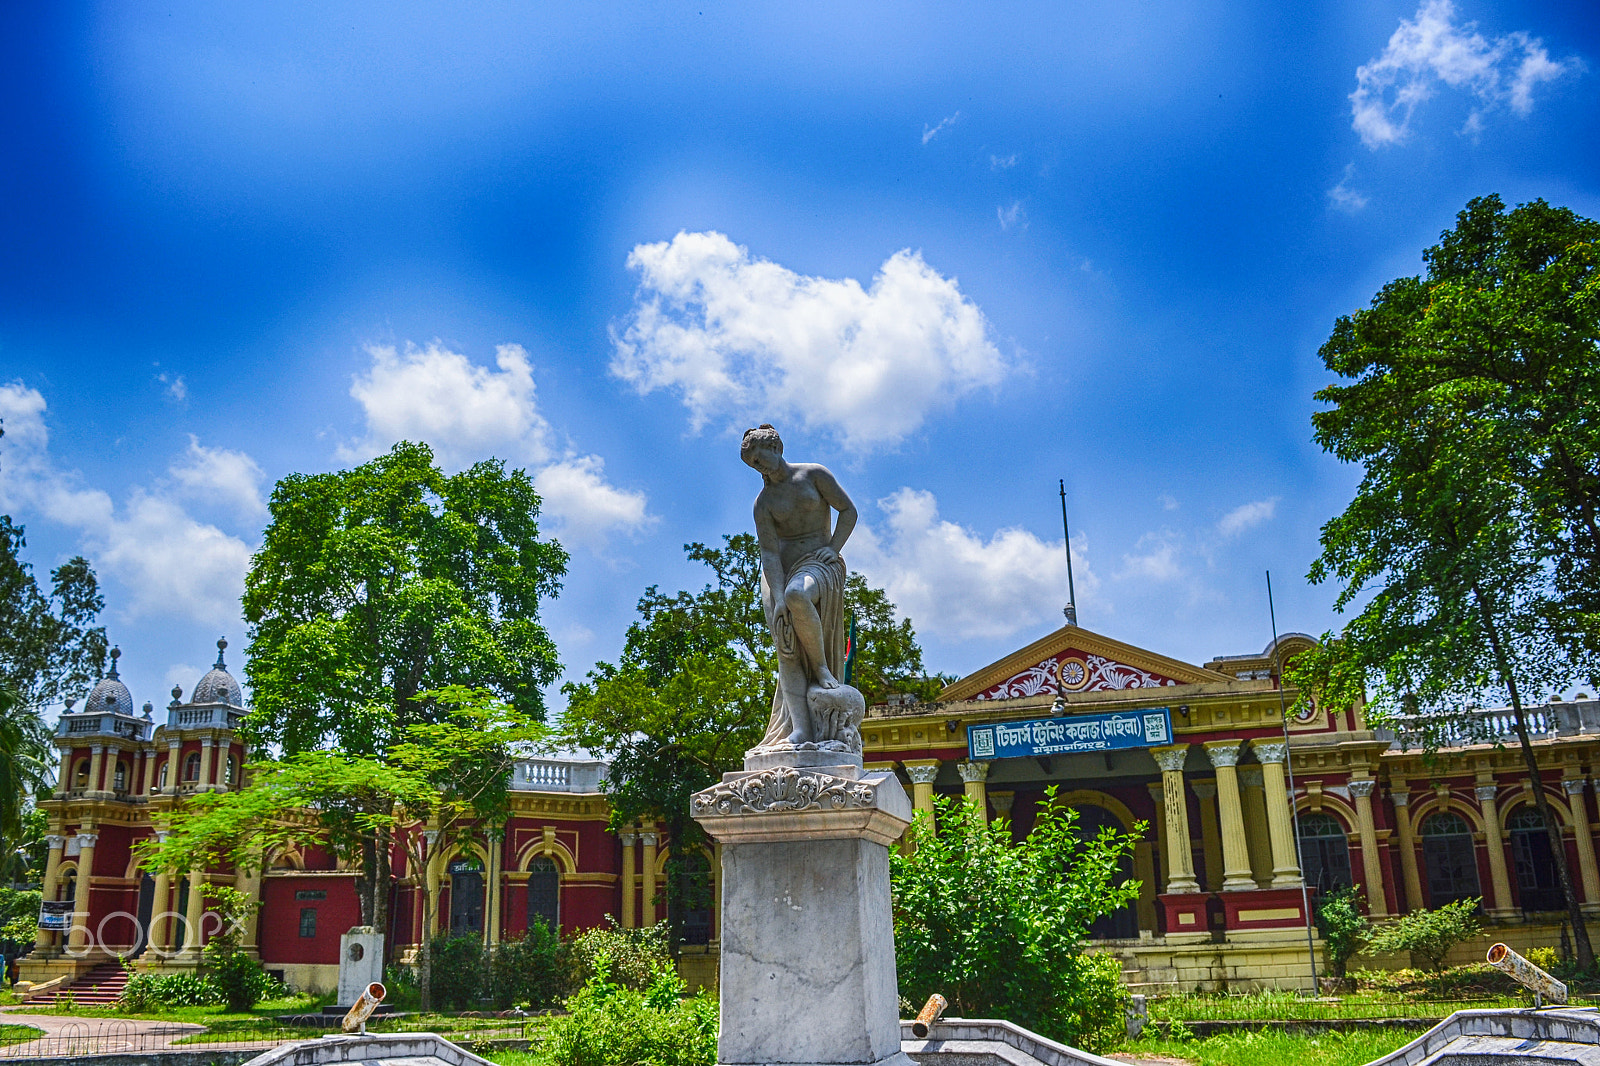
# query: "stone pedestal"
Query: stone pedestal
807,965
360,962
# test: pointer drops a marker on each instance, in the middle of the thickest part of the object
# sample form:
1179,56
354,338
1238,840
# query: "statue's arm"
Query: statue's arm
771,558
836,498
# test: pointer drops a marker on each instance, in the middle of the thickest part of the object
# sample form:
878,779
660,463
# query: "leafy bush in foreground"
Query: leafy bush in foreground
146,992
1429,935
610,1024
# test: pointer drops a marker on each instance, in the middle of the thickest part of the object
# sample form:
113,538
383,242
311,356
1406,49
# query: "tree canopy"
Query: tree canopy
1464,545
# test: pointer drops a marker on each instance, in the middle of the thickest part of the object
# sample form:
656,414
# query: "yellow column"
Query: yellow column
149,771
496,859
1500,906
923,772
1584,838
97,755
207,750
1236,875
80,898
431,871
974,777
1210,877
1180,853
1372,869
1280,823
193,912
648,904
160,903
64,781
52,876
1002,803
1406,834
174,765
1254,797
629,884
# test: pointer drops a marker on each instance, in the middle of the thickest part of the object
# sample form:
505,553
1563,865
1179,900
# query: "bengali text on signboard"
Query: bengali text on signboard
1143,728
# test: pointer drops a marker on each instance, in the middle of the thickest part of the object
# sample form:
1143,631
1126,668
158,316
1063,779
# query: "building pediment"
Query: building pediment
1078,660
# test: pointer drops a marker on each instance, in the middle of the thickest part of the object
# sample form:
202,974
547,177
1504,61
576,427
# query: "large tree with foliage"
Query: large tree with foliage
377,584
999,928
693,687
1456,540
440,782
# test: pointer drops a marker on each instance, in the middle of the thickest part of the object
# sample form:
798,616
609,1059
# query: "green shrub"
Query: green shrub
148,992
238,978
999,927
1429,935
460,973
611,1024
1343,926
529,971
635,956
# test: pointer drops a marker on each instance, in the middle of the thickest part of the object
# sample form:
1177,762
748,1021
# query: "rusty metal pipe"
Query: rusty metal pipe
356,1020
928,1015
1526,973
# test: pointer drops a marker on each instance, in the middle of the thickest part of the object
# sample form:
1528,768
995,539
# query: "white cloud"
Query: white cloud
467,413
169,563
1247,516
1155,558
175,386
930,132
1432,48
588,507
1002,162
1345,198
183,674
955,584
1012,217
747,339
232,478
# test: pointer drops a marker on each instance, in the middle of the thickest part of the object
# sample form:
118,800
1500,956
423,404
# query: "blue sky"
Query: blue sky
953,252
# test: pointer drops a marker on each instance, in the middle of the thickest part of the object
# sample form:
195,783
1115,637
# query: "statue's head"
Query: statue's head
760,446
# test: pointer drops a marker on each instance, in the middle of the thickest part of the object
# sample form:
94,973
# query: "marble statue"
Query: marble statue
802,590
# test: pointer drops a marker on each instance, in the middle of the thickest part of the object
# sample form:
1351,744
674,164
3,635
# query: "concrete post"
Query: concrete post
1236,875
629,886
1371,867
1500,904
1280,820
1584,838
1180,854
1406,832
974,777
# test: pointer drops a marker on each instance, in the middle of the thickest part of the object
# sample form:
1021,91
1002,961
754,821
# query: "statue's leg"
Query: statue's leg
801,597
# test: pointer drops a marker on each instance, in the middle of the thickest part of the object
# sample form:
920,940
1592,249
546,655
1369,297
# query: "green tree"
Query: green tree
1428,935
50,649
441,783
998,927
693,689
1342,921
1445,540
378,584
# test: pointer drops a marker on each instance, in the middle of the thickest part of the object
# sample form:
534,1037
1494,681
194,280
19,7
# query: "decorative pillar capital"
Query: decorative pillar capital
1223,752
1362,787
1401,799
922,775
54,841
648,839
97,749
629,839
1573,785
1001,801
1171,758
1250,777
1204,789
207,742
87,840
973,771
161,836
1269,751
1486,795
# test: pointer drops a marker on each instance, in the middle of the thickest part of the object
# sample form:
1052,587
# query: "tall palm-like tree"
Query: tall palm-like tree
24,764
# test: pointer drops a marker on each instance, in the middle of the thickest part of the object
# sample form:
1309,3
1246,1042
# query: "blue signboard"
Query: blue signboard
1144,728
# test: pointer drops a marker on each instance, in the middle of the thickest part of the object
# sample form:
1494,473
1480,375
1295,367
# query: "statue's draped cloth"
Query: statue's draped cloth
829,574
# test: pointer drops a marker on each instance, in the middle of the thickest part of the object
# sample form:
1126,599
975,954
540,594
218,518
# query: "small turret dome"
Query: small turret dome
218,686
109,693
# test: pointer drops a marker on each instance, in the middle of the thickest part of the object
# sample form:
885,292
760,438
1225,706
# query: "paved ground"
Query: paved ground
106,1034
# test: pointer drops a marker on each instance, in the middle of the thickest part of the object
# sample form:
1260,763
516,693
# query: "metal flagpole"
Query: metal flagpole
1294,811
1071,610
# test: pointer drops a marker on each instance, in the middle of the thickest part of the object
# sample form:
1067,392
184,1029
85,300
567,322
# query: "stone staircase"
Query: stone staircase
100,987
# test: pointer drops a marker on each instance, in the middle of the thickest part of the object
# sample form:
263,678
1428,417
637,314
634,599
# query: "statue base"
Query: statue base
807,960
834,762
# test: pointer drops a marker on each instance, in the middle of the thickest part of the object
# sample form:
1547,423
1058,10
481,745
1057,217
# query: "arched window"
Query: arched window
466,897
164,764
544,893
119,780
80,775
230,770
1450,858
191,767
1537,884
1324,852
689,897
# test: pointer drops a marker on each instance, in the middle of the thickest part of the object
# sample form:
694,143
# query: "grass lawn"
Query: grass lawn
1271,1047
16,1034
1287,1006
266,1009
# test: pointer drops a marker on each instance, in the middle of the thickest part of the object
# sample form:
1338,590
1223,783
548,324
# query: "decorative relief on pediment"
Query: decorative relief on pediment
1074,671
